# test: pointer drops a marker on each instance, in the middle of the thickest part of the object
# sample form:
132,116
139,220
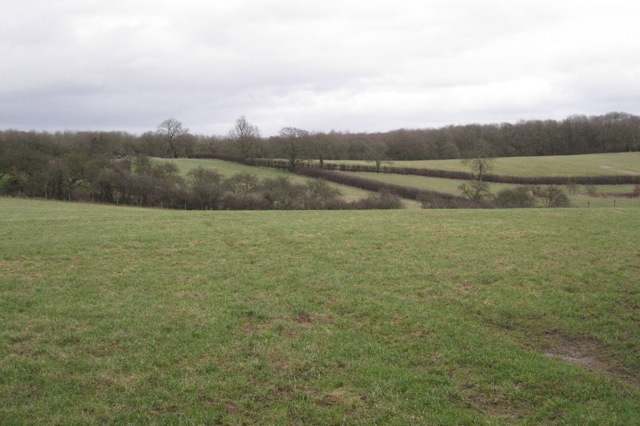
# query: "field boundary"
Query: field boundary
445,174
434,198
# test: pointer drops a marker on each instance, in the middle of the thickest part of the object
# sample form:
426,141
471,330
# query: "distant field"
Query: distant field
568,165
450,186
227,169
114,315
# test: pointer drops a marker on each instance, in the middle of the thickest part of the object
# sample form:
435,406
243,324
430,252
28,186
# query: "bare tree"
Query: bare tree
475,190
376,151
246,136
552,196
291,140
174,133
480,164
482,161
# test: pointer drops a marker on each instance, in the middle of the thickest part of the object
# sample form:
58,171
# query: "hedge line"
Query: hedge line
520,180
428,198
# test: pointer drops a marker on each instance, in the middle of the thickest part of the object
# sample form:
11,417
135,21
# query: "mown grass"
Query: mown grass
228,169
565,165
137,316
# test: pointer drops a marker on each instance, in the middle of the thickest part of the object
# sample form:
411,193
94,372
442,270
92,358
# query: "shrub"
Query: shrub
572,188
475,190
519,197
552,196
591,190
281,194
318,194
383,200
242,184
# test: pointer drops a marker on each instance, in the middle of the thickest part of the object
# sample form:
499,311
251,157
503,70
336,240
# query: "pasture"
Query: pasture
114,315
565,165
603,195
228,169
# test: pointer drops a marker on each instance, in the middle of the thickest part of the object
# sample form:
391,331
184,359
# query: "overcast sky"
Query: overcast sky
346,65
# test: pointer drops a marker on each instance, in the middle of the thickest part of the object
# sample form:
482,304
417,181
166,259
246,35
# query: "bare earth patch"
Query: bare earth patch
585,354
577,352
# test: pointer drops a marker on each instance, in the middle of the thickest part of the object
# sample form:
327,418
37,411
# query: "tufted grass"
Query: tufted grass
113,315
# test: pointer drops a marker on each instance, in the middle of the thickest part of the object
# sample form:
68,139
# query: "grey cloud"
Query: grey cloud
321,65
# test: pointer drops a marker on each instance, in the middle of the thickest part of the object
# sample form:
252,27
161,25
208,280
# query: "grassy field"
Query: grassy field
115,315
228,169
448,186
567,165
614,193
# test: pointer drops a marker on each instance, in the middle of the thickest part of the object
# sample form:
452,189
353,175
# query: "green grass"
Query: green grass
138,316
228,169
447,186
450,186
581,200
567,165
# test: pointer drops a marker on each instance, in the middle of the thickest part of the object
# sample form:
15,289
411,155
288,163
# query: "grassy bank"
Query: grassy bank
121,315
228,169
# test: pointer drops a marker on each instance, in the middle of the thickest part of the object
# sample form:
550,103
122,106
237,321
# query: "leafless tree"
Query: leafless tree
376,151
174,133
482,161
246,136
292,140
480,164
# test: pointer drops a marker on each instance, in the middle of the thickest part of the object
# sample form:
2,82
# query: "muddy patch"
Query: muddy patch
578,352
589,354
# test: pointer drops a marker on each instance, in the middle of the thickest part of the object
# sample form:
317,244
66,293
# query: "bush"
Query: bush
475,190
318,194
281,194
573,188
383,200
519,197
552,196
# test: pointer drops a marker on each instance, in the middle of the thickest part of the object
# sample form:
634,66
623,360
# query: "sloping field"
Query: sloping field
604,195
138,316
567,165
228,169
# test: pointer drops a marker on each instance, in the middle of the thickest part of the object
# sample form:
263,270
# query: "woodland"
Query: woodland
115,167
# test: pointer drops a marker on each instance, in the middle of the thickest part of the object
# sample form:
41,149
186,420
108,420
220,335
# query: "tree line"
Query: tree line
107,168
577,134
82,165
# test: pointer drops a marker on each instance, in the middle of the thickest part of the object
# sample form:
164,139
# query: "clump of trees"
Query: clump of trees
480,164
518,197
577,134
87,165
107,168
525,196
612,132
552,196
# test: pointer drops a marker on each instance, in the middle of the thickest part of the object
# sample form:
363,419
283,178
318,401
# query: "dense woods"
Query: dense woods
578,134
114,166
